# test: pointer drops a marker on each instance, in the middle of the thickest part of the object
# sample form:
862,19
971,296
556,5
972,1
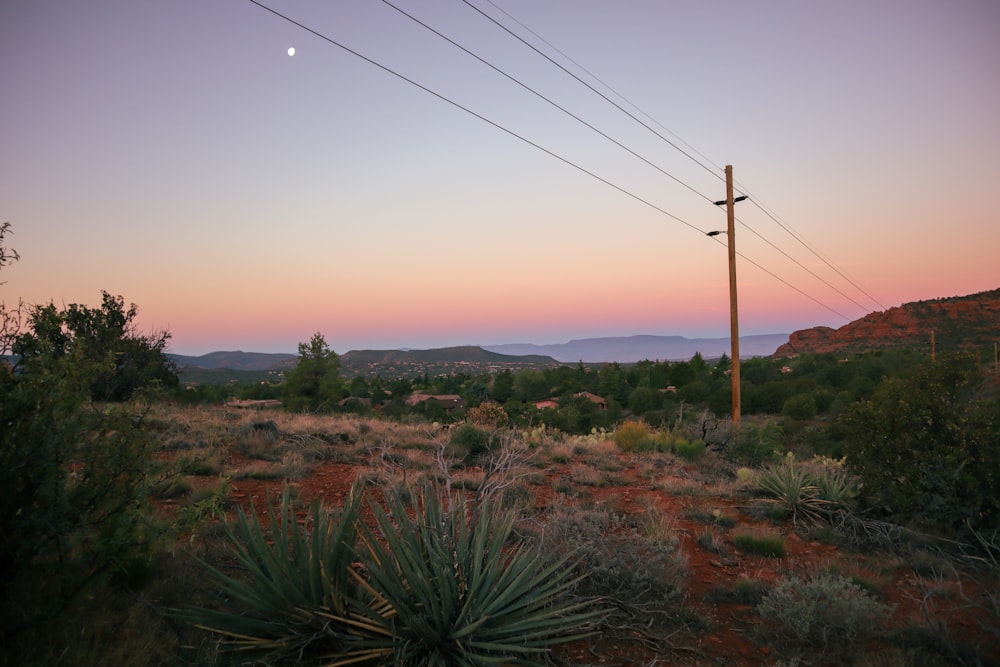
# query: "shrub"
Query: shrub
754,446
825,611
689,450
633,436
469,442
488,415
424,586
801,407
637,569
925,447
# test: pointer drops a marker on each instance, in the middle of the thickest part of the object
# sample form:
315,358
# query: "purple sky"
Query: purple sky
173,152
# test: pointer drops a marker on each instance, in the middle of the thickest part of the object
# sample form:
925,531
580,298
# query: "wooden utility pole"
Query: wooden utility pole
734,323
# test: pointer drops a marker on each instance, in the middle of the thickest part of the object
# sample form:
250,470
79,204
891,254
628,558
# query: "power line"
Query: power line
543,97
672,144
803,266
617,94
819,255
532,143
590,87
786,283
475,114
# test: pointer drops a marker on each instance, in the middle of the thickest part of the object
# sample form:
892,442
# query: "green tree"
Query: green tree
927,447
644,399
107,338
801,407
314,384
75,474
503,386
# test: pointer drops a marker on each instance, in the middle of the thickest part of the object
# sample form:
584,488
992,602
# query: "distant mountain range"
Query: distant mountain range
494,357
630,349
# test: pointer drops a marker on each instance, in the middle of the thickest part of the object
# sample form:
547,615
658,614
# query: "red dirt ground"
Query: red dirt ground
729,639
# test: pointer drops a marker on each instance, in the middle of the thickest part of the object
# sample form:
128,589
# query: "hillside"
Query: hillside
412,363
488,358
237,360
956,322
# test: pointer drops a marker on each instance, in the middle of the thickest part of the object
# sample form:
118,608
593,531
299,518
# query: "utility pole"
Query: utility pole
734,323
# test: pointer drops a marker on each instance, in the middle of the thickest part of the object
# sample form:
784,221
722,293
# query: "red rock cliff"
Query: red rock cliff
957,322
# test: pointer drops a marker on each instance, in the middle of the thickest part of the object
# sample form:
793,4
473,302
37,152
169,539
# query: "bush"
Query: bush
925,448
754,446
637,571
633,436
793,488
488,415
688,450
76,478
827,612
469,442
801,407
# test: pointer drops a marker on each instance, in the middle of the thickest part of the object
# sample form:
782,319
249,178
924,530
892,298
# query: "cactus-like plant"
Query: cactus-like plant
461,590
299,594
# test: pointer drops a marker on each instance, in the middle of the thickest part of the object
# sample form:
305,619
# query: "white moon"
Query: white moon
291,51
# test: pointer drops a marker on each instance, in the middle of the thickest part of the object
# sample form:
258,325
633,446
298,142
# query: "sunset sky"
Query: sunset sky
173,152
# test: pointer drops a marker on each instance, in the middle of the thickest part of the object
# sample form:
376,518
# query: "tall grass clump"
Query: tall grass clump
762,544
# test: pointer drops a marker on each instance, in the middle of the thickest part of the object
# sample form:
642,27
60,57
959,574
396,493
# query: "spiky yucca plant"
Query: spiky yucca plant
462,592
300,594
794,488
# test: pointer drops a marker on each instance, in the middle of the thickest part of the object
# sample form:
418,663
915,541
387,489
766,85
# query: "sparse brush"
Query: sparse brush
639,574
825,611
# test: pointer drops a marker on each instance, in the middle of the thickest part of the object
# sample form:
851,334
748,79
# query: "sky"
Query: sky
385,188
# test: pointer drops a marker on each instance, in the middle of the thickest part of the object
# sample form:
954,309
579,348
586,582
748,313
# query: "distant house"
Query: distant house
602,403
548,403
450,402
355,402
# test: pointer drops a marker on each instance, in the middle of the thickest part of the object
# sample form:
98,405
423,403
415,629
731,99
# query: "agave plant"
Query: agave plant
794,488
836,487
300,592
462,593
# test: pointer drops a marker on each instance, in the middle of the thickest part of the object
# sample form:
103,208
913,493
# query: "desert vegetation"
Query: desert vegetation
141,527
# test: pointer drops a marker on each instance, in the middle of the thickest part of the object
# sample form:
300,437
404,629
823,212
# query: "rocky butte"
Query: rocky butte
960,322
